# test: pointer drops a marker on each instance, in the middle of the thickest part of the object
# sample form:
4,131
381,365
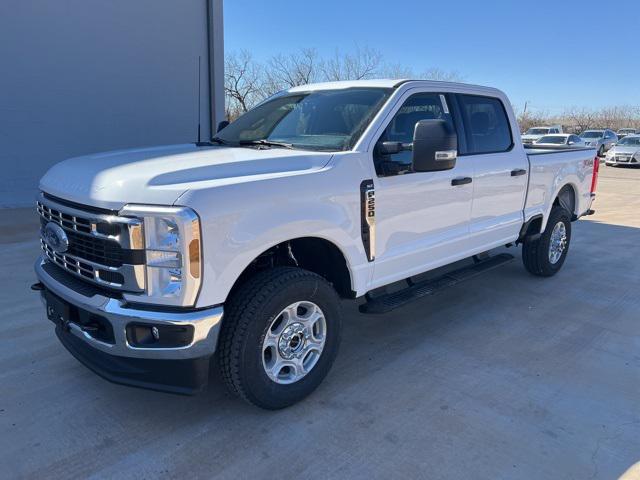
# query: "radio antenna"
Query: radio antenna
199,58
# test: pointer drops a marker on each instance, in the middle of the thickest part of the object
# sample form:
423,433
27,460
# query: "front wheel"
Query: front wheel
280,336
545,255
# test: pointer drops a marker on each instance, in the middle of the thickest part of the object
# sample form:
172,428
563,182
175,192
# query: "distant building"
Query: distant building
81,76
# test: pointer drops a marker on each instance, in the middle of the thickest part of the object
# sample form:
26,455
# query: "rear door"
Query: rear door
500,171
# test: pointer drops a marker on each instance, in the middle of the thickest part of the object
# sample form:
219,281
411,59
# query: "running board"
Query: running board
390,301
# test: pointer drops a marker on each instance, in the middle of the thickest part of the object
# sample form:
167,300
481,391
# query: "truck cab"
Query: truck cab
155,260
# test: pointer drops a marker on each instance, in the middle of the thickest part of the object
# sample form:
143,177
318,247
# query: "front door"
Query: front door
422,218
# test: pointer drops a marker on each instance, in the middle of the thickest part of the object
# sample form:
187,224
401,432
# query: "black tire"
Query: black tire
535,252
247,317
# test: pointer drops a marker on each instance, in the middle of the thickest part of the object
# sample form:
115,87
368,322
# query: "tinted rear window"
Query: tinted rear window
486,124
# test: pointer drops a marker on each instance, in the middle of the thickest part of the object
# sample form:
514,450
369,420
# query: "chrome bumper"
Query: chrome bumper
206,323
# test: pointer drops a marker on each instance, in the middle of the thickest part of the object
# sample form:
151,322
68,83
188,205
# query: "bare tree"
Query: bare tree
287,71
528,118
248,82
580,118
617,117
242,82
442,75
396,71
363,63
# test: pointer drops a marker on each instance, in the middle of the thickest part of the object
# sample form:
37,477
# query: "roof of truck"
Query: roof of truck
382,83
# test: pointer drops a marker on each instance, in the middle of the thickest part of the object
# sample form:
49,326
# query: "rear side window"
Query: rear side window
486,124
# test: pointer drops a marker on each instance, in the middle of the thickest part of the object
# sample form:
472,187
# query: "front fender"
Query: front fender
240,222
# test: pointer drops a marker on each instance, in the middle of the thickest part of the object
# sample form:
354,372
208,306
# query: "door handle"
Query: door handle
518,171
461,181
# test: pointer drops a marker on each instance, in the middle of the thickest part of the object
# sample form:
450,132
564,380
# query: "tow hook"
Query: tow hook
37,287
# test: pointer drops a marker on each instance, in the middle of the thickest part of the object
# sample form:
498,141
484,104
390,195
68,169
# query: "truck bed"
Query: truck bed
550,167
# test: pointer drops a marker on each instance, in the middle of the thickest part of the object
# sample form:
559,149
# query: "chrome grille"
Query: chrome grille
100,250
66,221
103,249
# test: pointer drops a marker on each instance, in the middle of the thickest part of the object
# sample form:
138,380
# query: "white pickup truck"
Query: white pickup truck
155,259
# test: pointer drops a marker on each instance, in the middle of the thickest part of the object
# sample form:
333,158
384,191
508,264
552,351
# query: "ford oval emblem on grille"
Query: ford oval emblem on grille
54,236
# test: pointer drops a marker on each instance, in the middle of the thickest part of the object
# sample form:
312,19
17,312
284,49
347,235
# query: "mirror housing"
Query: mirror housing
222,125
435,146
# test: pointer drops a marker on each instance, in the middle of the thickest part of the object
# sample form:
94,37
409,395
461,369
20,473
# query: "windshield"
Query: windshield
321,120
634,141
537,131
627,130
592,134
552,139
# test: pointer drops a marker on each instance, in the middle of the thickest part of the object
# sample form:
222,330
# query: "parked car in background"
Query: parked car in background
536,133
625,152
623,132
560,140
601,140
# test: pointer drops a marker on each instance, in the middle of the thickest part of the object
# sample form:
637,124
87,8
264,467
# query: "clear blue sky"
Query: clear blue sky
550,53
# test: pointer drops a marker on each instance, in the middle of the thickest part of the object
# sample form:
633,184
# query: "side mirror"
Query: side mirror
435,146
222,125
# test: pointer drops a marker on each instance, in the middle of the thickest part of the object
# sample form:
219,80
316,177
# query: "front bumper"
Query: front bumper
616,161
182,368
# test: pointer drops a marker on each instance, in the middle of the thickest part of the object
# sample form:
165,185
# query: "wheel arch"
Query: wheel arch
567,199
565,196
312,253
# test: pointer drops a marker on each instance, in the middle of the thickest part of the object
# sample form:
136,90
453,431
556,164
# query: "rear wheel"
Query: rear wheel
280,336
545,255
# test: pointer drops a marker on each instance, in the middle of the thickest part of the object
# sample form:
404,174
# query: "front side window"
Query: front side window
331,120
421,106
486,124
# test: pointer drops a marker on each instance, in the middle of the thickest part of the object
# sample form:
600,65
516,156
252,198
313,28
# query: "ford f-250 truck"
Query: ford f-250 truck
155,259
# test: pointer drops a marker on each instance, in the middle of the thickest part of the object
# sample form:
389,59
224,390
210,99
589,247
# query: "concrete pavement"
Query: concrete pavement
506,376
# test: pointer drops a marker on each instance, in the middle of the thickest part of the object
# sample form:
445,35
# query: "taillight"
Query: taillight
594,179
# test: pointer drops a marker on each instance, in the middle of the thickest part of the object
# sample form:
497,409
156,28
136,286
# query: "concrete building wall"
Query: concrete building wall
81,76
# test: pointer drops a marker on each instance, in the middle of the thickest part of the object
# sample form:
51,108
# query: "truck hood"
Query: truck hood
531,137
159,175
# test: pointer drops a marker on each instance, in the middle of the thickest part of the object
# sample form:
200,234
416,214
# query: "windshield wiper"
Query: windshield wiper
266,143
219,141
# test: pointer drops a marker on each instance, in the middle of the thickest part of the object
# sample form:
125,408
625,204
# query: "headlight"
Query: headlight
171,239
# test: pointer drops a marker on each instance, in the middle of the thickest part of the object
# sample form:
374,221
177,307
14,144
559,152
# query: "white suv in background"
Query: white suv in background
536,133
